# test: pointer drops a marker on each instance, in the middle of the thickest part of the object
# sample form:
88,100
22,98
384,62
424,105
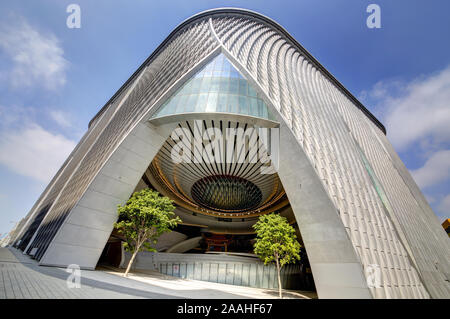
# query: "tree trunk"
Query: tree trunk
130,262
279,278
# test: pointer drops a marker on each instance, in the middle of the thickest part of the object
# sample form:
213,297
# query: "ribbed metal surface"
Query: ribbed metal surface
315,110
414,217
189,46
400,234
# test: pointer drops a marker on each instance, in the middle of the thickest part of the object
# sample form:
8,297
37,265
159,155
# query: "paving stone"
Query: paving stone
22,277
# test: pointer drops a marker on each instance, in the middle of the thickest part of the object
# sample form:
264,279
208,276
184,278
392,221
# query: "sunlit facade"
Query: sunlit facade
218,87
366,229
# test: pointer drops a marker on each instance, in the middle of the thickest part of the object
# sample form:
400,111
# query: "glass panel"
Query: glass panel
243,106
201,102
254,109
234,73
234,86
205,84
172,105
208,72
191,102
225,73
199,74
224,85
187,88
233,103
251,91
262,109
242,87
215,85
212,102
222,103
196,84
181,106
218,87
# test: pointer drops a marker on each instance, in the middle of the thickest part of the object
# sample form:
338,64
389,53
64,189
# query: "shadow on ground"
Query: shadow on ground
287,294
115,283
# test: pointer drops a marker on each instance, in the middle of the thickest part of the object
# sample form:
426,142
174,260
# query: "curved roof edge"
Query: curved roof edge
265,19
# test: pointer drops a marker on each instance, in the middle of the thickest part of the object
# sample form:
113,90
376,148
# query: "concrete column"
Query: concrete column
83,235
336,268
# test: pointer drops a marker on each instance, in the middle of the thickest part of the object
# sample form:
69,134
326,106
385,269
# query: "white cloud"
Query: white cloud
435,170
416,112
33,151
37,58
444,206
430,198
15,114
61,118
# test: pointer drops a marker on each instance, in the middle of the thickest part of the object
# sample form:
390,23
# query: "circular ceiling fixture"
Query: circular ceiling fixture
226,193
234,188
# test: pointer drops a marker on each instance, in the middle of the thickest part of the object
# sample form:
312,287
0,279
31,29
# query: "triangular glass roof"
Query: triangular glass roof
217,87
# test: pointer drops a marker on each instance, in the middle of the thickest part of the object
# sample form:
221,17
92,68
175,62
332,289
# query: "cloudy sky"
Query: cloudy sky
54,79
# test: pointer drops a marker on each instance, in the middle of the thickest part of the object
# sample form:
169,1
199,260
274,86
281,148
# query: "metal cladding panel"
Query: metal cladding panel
47,199
400,234
69,167
331,128
428,242
184,50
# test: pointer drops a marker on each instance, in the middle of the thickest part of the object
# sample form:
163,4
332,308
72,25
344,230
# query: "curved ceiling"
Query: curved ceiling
230,184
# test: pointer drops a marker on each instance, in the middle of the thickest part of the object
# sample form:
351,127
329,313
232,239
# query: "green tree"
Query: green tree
143,218
276,242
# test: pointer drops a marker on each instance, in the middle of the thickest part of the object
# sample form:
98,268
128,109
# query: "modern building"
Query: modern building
446,225
323,162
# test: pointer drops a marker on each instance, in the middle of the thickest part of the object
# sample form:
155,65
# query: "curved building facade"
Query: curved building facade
367,229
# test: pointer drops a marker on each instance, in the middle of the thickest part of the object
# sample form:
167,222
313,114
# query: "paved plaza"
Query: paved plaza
21,277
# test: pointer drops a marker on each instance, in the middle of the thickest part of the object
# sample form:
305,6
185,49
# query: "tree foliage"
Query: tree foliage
143,218
276,242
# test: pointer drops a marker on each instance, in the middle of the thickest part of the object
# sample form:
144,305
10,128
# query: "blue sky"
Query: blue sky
54,79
